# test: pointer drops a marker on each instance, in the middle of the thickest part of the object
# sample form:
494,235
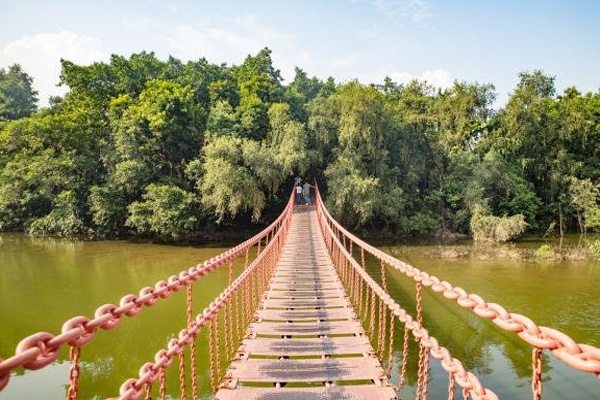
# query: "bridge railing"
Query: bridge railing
344,245
234,307
375,307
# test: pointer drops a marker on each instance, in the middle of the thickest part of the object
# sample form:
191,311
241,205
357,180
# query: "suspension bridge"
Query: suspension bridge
303,320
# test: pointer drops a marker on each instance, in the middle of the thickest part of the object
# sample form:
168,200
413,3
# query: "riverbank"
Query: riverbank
571,248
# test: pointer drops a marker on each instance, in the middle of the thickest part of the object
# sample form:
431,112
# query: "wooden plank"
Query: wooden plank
304,347
291,286
335,370
306,328
303,281
305,303
306,299
305,294
365,392
299,315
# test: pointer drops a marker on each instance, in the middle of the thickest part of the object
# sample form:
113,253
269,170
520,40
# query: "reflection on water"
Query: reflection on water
562,295
43,282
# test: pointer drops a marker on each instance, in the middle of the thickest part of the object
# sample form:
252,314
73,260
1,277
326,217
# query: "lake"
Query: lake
44,282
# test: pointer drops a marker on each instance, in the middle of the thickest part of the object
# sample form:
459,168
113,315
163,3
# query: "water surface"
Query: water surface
44,282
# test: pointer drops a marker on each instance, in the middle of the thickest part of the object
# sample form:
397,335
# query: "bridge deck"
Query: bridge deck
306,342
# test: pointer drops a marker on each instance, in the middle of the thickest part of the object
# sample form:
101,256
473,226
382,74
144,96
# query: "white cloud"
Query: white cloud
40,56
231,39
438,78
415,10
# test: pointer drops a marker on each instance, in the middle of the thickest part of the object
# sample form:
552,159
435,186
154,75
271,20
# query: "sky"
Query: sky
435,40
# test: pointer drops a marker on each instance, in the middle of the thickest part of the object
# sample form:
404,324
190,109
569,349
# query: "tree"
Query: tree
166,211
62,221
584,199
289,138
18,99
235,175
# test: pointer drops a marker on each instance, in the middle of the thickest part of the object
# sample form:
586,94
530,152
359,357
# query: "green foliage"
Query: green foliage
355,196
236,175
544,251
166,148
592,218
595,247
165,211
62,221
18,99
497,229
584,195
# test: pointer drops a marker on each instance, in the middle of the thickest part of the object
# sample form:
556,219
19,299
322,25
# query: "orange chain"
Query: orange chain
218,347
382,317
231,306
419,304
372,316
536,380
182,376
238,313
391,347
74,372
450,386
163,383
194,369
148,390
211,349
190,306
226,338
404,358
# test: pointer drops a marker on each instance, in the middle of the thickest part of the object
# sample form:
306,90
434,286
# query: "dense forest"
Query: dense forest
177,151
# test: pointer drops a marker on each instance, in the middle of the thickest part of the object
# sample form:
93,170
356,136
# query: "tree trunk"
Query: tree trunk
560,221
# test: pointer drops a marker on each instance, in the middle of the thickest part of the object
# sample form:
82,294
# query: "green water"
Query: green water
561,295
43,282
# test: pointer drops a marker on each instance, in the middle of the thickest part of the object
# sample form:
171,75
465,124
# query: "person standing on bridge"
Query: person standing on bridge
298,190
306,191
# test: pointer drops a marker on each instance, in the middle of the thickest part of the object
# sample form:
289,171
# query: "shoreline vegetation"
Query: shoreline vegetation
180,151
583,250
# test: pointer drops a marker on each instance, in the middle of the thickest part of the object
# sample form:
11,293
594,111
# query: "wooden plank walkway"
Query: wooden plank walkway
306,342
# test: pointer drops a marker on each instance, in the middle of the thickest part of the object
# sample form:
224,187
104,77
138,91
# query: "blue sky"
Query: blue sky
436,40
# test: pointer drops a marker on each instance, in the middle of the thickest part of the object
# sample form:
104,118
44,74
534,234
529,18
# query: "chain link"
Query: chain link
162,376
74,373
211,349
451,386
391,347
536,380
182,376
404,358
148,391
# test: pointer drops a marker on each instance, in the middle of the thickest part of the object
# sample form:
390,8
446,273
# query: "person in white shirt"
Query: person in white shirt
298,194
306,192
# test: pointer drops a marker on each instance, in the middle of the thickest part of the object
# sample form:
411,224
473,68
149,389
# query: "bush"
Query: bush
496,229
544,251
595,247
62,221
166,211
